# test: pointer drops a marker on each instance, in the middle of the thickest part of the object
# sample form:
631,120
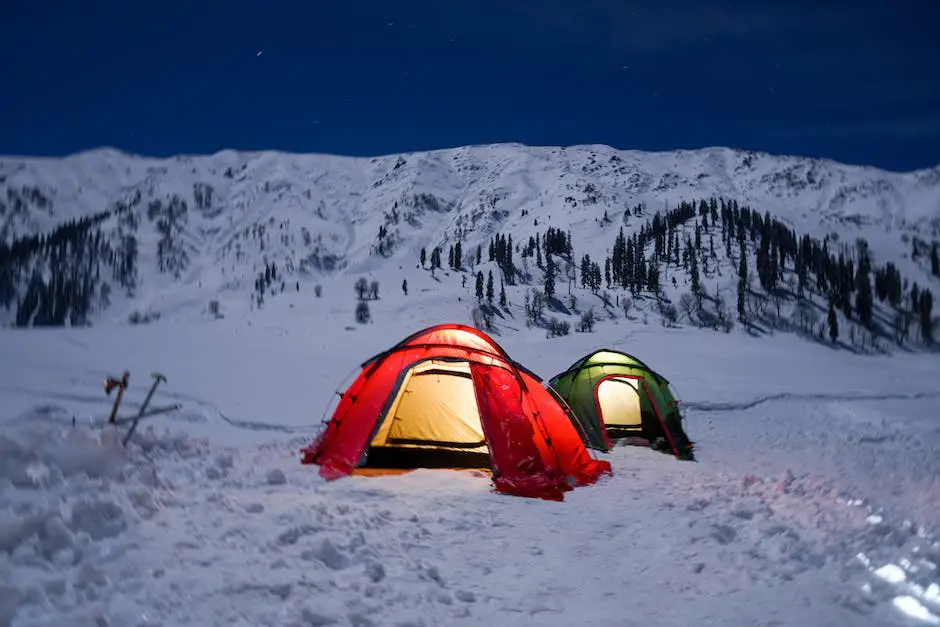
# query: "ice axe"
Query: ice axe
121,384
157,379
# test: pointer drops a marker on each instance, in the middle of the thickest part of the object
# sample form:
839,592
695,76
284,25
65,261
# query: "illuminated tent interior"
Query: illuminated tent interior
450,397
432,422
618,402
615,396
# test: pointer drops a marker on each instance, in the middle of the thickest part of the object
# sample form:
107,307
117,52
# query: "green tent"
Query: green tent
617,396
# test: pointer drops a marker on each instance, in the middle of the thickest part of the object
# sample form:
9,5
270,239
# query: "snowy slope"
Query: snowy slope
226,216
815,501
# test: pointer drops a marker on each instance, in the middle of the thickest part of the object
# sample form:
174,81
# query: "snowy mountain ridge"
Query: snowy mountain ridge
37,193
200,226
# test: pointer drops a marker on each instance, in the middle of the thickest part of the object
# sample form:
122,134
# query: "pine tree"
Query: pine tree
550,277
742,287
479,286
864,301
773,270
458,256
585,270
652,277
502,294
489,287
802,268
925,309
435,258
935,259
617,258
424,257
833,323
508,263
845,282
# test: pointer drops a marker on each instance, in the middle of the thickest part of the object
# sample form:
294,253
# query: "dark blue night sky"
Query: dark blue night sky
853,80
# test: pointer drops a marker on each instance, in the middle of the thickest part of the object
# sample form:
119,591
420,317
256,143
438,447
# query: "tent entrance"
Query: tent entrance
618,403
432,422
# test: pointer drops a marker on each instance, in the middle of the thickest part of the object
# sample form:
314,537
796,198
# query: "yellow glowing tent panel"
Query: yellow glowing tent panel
618,399
435,407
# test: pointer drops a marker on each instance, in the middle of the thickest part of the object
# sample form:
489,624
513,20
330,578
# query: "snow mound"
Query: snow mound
68,496
903,566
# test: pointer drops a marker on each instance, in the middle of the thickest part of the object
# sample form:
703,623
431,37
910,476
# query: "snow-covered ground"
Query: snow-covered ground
815,499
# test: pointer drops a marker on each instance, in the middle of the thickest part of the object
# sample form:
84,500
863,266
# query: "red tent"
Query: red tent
450,396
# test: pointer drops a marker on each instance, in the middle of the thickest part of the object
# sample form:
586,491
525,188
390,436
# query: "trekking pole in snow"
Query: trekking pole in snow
157,379
121,384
